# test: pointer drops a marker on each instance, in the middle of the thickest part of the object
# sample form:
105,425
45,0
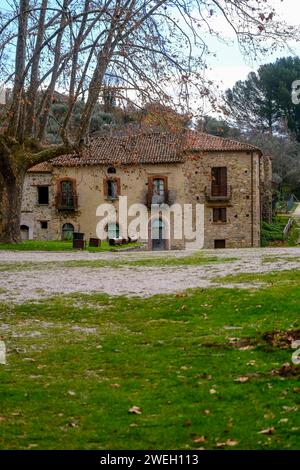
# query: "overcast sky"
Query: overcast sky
230,65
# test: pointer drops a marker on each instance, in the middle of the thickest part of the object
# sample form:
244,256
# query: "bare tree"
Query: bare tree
76,47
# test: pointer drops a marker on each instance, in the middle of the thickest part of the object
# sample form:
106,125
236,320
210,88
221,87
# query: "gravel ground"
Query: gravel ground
30,284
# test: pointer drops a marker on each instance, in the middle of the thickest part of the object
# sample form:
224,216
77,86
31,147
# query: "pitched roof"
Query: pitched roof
44,167
202,142
146,148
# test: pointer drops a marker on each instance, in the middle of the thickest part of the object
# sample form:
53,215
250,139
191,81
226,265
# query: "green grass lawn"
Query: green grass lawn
39,245
197,365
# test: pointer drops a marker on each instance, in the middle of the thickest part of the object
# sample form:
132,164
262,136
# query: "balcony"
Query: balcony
218,193
67,203
153,199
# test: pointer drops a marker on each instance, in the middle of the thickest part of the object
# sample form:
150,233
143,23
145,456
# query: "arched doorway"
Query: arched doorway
24,232
158,235
67,232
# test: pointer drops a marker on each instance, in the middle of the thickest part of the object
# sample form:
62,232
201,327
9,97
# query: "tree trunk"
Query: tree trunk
10,208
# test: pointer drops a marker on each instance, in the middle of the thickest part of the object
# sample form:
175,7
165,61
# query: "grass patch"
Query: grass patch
196,259
38,245
190,260
271,278
194,363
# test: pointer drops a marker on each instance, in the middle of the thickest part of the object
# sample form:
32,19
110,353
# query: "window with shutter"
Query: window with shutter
157,190
66,195
112,188
219,181
220,214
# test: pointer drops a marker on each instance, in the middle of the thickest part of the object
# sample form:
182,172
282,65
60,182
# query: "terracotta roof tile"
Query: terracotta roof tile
146,148
202,142
44,167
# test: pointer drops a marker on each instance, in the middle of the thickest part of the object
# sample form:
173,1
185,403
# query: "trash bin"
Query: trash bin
78,236
95,242
78,241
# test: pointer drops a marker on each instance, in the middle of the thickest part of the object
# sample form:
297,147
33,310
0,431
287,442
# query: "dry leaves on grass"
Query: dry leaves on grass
135,410
242,379
267,431
228,443
199,439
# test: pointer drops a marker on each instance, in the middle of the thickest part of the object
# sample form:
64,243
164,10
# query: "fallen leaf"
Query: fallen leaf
267,431
135,410
221,444
199,439
72,425
115,385
206,412
242,379
71,393
231,442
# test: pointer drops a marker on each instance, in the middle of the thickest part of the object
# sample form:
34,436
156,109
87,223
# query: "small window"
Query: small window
157,190
158,187
43,195
112,188
219,214
44,224
111,170
219,244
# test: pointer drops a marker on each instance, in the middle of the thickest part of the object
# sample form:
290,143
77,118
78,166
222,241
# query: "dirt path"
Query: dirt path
32,283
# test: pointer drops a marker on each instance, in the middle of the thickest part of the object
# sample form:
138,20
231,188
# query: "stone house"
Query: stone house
224,177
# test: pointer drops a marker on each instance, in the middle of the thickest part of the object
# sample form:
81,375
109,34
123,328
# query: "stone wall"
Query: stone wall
186,184
33,213
242,228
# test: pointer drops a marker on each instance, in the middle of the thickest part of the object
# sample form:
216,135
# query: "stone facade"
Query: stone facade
188,181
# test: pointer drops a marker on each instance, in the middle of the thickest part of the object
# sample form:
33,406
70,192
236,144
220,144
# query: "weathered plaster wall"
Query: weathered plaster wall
134,185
